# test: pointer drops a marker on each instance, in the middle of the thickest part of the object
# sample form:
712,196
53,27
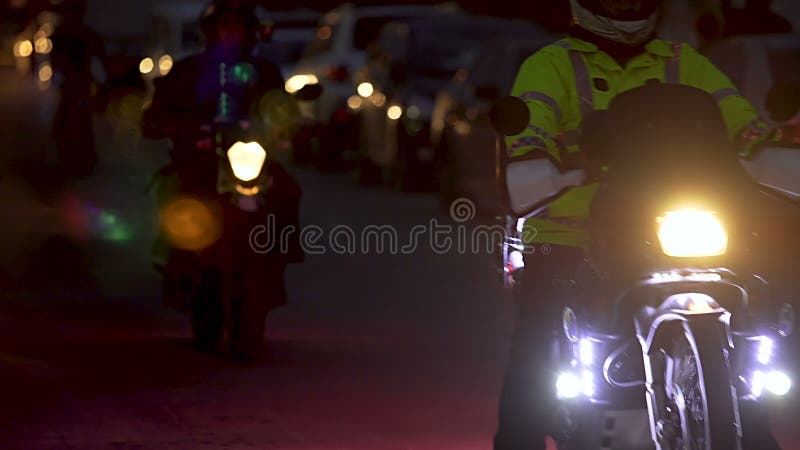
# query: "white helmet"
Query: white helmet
625,21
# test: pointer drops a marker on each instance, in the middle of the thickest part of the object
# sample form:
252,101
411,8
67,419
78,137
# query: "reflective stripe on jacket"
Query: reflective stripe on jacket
565,81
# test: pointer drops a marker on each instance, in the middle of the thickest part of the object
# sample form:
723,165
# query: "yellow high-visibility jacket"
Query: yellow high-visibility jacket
567,80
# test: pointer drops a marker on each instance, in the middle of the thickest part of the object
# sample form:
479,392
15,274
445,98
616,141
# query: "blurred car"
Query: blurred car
331,59
414,61
764,68
174,34
290,32
340,49
461,130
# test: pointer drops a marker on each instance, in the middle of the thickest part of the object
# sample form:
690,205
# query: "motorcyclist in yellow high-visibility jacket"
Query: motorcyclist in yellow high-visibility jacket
611,48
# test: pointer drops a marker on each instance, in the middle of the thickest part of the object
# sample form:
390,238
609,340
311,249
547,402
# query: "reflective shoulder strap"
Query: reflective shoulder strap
583,83
673,66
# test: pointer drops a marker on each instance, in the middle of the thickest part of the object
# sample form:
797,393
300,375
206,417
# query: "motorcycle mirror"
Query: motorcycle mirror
510,116
783,101
309,92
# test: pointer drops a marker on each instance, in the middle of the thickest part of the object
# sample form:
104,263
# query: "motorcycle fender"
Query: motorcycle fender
665,326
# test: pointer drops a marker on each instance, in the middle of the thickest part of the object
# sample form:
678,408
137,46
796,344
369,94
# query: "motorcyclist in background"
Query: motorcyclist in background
611,48
77,56
225,84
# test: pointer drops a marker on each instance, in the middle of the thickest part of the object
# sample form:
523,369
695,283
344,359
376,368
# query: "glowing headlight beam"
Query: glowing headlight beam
775,382
568,385
247,160
692,234
778,383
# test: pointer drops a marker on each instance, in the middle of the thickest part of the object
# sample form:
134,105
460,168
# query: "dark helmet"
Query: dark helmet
625,21
218,11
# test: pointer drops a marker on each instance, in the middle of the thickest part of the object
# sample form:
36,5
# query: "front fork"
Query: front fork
662,428
665,423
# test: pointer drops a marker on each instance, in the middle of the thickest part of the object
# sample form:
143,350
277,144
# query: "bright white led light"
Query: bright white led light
778,383
757,383
587,383
586,352
568,385
516,260
765,350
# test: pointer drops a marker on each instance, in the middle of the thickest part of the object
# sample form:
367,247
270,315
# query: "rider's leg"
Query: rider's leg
526,400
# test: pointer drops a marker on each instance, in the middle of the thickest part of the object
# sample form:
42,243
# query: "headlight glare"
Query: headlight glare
778,383
247,160
568,385
692,234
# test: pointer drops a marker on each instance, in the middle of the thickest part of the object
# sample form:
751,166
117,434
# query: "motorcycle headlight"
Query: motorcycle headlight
247,160
692,234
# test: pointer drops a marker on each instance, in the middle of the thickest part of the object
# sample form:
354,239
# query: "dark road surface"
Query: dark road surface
385,352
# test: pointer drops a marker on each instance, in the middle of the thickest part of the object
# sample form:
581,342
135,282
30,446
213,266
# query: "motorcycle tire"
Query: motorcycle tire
701,388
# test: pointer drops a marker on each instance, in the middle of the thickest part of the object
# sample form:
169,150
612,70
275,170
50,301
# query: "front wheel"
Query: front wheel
703,397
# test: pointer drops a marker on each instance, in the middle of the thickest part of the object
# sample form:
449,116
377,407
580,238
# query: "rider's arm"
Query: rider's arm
541,85
744,124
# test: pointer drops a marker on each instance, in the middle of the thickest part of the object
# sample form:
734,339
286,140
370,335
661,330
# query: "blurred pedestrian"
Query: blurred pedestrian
76,55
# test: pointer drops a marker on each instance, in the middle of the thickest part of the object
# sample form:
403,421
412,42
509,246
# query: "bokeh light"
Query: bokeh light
43,45
378,99
45,73
365,89
355,102
298,82
165,64
324,33
394,112
189,224
146,66
23,49
47,29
